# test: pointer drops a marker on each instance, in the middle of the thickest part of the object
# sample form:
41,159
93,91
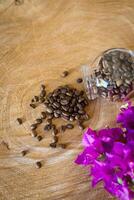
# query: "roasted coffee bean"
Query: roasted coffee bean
64,74
43,115
64,102
70,126
33,133
77,117
36,98
24,152
41,99
85,117
80,107
54,131
64,113
49,109
58,112
56,104
56,115
53,126
82,112
70,110
63,128
70,94
65,108
38,164
39,138
19,121
32,105
81,99
33,126
71,118
81,127
47,127
55,139
53,145
79,80
42,87
38,120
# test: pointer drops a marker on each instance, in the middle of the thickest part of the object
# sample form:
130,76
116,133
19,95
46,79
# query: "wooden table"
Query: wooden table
38,40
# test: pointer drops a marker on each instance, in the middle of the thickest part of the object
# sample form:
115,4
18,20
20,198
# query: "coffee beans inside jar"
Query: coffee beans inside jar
114,77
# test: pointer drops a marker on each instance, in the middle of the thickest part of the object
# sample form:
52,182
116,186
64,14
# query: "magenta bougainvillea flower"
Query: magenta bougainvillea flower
109,154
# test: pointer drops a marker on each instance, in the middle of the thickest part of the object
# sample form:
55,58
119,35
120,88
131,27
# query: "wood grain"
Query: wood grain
38,40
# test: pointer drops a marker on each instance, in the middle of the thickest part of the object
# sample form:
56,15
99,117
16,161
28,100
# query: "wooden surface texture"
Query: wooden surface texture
38,40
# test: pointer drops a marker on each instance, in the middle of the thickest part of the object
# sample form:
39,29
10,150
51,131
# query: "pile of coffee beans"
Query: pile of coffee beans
115,75
64,102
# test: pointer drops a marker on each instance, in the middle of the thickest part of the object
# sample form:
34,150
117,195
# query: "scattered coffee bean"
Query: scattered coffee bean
36,98
70,126
79,80
32,105
42,87
33,133
38,120
19,120
24,152
43,115
43,93
65,73
55,139
33,126
54,131
53,145
47,127
39,138
38,164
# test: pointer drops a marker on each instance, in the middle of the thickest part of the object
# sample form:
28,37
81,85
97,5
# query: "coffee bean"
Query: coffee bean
33,126
24,152
38,120
39,138
71,119
79,80
38,164
54,131
32,105
56,115
58,112
65,113
19,120
65,108
66,118
56,104
82,112
41,99
70,110
33,133
81,127
64,102
42,87
36,98
64,74
55,139
70,126
53,145
81,99
47,127
43,115
49,110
